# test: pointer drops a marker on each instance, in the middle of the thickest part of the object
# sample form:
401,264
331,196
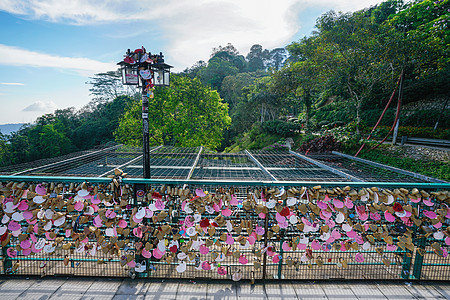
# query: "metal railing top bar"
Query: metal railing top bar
431,185
260,165
324,166
397,170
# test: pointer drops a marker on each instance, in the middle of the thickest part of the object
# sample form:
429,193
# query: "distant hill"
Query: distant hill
8,128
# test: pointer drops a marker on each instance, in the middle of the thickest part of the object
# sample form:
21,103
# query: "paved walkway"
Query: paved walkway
93,289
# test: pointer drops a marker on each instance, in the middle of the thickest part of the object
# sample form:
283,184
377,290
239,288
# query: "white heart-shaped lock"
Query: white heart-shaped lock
347,227
9,208
48,226
59,221
365,197
325,236
83,193
293,219
162,246
38,199
271,203
40,215
17,216
40,244
304,240
209,209
390,199
49,248
49,214
80,248
191,231
197,218
140,213
181,255
152,207
181,267
439,235
366,246
229,226
109,232
5,219
291,201
188,209
340,218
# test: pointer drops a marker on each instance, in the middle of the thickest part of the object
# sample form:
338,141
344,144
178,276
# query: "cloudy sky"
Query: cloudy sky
50,48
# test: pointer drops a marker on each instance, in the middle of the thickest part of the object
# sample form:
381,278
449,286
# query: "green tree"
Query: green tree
187,114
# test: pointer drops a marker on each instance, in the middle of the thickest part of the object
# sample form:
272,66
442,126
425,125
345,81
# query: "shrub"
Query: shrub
326,143
284,129
421,132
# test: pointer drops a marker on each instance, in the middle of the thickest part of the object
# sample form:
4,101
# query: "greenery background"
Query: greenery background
336,82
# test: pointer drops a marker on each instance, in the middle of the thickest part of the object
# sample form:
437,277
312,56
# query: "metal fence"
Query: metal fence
119,227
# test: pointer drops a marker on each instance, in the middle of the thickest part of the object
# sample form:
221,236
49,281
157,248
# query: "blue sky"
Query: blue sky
50,48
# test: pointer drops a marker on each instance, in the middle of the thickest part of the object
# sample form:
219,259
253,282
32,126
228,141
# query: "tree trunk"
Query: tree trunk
307,110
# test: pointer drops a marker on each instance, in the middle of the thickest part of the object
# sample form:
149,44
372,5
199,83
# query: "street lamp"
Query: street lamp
145,70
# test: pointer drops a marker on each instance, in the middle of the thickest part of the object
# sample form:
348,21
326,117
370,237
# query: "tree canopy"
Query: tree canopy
186,114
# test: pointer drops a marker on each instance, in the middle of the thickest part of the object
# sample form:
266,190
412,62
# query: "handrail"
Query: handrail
428,185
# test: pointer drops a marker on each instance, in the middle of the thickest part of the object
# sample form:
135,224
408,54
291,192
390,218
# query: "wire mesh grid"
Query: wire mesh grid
81,259
285,166
57,164
227,166
168,162
363,170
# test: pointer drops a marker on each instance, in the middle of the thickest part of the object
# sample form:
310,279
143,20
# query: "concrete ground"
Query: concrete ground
92,289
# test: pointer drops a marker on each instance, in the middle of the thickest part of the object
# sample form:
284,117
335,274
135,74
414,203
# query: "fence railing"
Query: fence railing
119,227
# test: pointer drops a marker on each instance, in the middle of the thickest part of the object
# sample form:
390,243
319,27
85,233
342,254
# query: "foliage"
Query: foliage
106,87
325,143
281,128
420,132
187,114
396,158
255,138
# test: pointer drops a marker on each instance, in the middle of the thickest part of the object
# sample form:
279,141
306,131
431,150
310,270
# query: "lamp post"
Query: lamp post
145,70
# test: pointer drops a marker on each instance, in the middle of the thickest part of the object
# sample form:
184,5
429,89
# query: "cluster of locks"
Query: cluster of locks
200,229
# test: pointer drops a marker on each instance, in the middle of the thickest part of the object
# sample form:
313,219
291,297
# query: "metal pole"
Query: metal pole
145,139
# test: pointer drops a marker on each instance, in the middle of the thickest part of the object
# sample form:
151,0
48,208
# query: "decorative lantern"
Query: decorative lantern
161,74
130,74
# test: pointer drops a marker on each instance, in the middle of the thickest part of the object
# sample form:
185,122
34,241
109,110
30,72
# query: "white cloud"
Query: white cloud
192,28
14,56
41,106
11,83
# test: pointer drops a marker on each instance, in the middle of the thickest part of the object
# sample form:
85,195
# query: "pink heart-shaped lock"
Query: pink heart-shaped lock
285,246
227,212
338,203
230,240
315,245
389,217
359,257
204,249
243,260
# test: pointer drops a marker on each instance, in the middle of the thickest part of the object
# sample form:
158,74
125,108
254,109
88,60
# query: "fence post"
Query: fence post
266,228
406,266
280,263
418,261
139,258
419,242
